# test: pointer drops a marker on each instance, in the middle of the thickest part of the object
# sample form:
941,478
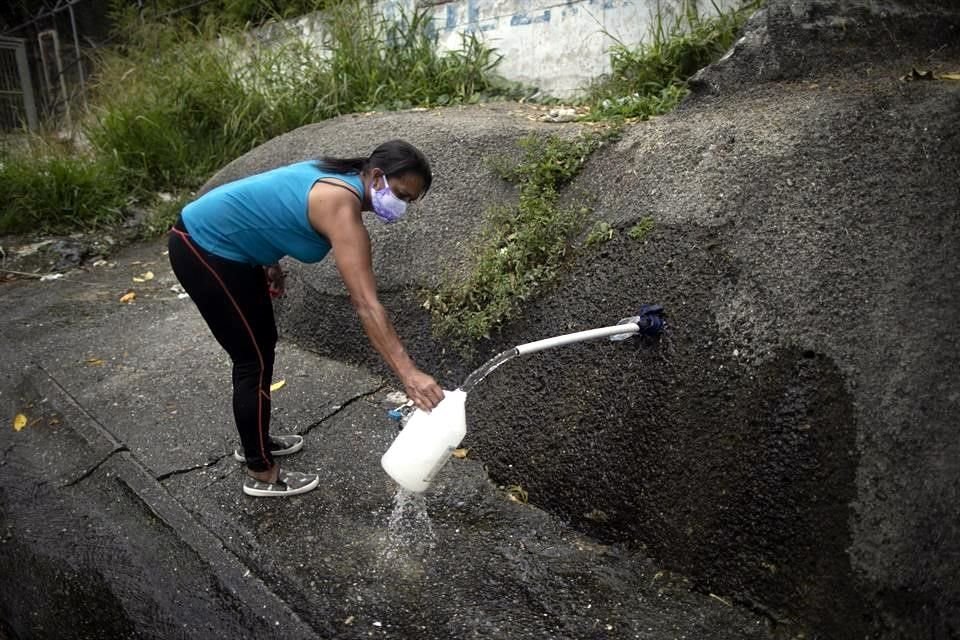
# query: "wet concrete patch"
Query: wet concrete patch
47,590
88,548
484,566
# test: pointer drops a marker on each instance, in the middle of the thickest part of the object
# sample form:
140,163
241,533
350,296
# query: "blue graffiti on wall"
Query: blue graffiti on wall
452,14
473,18
611,4
570,9
522,18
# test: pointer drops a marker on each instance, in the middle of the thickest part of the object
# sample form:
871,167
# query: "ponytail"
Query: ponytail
342,165
394,158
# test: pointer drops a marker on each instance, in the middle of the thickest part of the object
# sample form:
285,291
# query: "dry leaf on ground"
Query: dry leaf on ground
128,296
517,493
277,385
19,422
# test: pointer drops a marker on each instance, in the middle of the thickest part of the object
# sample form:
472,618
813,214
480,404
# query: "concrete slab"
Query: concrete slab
91,545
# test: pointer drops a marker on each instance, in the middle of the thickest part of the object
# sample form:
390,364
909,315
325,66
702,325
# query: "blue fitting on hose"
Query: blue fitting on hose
401,414
650,320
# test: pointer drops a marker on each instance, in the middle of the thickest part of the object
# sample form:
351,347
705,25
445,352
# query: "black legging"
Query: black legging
233,299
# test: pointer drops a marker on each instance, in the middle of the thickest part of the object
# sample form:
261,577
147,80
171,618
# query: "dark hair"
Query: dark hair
394,157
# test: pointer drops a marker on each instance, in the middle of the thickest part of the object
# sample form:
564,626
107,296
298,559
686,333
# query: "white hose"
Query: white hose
580,336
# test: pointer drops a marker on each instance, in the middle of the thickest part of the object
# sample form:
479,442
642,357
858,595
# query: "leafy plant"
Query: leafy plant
522,247
642,229
600,233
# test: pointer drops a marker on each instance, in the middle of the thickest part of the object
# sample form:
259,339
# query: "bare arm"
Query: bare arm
336,215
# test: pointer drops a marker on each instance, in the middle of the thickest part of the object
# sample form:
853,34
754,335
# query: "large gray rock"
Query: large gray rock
793,439
791,443
802,39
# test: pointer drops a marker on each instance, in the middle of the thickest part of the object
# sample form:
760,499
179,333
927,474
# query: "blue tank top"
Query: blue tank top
261,218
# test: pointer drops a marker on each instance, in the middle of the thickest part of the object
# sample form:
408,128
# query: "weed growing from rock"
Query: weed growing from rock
641,230
601,233
523,247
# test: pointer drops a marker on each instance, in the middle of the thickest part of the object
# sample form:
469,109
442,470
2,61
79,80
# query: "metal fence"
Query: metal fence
17,105
42,74
45,61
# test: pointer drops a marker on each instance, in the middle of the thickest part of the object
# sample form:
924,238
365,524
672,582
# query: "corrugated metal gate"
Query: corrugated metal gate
17,107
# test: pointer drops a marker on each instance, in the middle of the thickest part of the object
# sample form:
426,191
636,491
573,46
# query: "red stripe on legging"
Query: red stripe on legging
186,239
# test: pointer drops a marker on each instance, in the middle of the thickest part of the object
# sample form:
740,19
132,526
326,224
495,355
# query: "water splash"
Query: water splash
409,530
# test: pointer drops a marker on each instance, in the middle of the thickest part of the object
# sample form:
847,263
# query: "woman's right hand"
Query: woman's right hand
275,280
423,390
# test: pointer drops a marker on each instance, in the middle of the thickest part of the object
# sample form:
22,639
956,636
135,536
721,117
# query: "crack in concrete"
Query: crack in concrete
86,474
102,433
220,478
338,408
176,472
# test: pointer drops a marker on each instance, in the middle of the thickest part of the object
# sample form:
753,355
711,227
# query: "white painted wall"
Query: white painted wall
559,47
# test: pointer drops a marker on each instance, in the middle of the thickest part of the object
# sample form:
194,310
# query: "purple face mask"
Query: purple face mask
386,205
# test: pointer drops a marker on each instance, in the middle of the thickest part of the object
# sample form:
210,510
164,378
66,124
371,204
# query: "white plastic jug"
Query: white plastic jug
426,442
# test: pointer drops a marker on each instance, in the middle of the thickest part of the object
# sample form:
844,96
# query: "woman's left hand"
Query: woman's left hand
275,280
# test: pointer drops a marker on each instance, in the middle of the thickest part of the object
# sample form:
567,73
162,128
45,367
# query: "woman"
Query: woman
224,250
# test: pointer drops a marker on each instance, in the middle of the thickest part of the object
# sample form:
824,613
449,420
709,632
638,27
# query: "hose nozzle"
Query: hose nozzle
649,322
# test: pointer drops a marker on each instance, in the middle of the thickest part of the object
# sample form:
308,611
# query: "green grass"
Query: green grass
52,188
235,13
406,69
651,79
175,111
523,247
174,102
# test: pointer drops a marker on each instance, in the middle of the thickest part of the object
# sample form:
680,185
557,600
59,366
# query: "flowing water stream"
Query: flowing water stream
487,368
409,528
